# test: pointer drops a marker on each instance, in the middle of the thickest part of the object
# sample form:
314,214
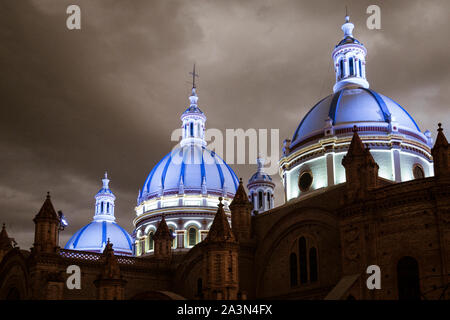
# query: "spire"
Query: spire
241,196
47,210
349,57
260,162
441,154
193,119
104,202
356,147
162,232
5,240
220,230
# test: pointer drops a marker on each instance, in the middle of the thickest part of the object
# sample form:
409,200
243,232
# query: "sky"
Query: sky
77,103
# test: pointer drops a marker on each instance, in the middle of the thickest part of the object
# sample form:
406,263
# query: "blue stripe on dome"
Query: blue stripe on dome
79,235
127,236
304,118
335,105
202,165
381,104
183,165
103,232
215,157
407,115
149,179
163,175
233,176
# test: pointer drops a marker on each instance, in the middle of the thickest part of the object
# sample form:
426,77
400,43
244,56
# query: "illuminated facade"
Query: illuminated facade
312,158
184,186
95,236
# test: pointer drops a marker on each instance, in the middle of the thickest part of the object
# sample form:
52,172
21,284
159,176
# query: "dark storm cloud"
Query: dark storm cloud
77,103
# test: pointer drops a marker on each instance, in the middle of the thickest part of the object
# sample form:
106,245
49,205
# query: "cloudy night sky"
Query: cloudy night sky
108,96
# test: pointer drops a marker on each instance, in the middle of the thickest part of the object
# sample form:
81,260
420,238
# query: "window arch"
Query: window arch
302,260
151,242
341,68
268,200
352,66
192,129
313,264
408,281
192,236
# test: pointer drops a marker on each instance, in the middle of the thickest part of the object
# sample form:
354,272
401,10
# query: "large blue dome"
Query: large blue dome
94,236
190,169
353,106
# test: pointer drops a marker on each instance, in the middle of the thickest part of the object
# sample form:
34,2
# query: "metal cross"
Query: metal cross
193,76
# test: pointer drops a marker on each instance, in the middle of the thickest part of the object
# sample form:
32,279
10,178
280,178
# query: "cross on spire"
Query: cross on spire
193,76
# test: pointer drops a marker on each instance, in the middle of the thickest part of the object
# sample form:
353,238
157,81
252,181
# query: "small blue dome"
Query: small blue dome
191,169
350,106
94,236
259,176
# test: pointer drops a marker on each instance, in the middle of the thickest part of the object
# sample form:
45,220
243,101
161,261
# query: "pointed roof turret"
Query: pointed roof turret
356,147
220,230
441,140
163,231
47,210
5,240
240,198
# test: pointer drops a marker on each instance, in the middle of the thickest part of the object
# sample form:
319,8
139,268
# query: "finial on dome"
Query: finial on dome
105,181
347,27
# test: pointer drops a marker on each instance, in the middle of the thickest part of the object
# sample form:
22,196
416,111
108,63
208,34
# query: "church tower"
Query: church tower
163,240
46,228
104,202
261,189
220,260
241,214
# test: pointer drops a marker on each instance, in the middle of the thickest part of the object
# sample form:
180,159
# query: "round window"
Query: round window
305,181
418,172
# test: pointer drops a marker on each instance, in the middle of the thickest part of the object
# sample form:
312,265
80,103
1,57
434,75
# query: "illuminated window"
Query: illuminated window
305,181
151,242
352,70
260,199
418,172
192,236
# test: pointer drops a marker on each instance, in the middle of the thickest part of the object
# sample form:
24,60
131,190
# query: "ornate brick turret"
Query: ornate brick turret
241,210
6,243
163,240
441,155
361,170
46,228
220,259
110,285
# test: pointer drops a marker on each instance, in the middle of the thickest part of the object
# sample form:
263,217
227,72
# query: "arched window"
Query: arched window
101,207
341,68
302,260
268,200
360,68
313,264
192,236
260,199
107,207
408,281
151,242
352,67
293,269
192,129
418,172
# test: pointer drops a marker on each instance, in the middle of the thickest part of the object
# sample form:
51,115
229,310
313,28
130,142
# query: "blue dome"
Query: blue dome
94,236
190,169
352,106
259,176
